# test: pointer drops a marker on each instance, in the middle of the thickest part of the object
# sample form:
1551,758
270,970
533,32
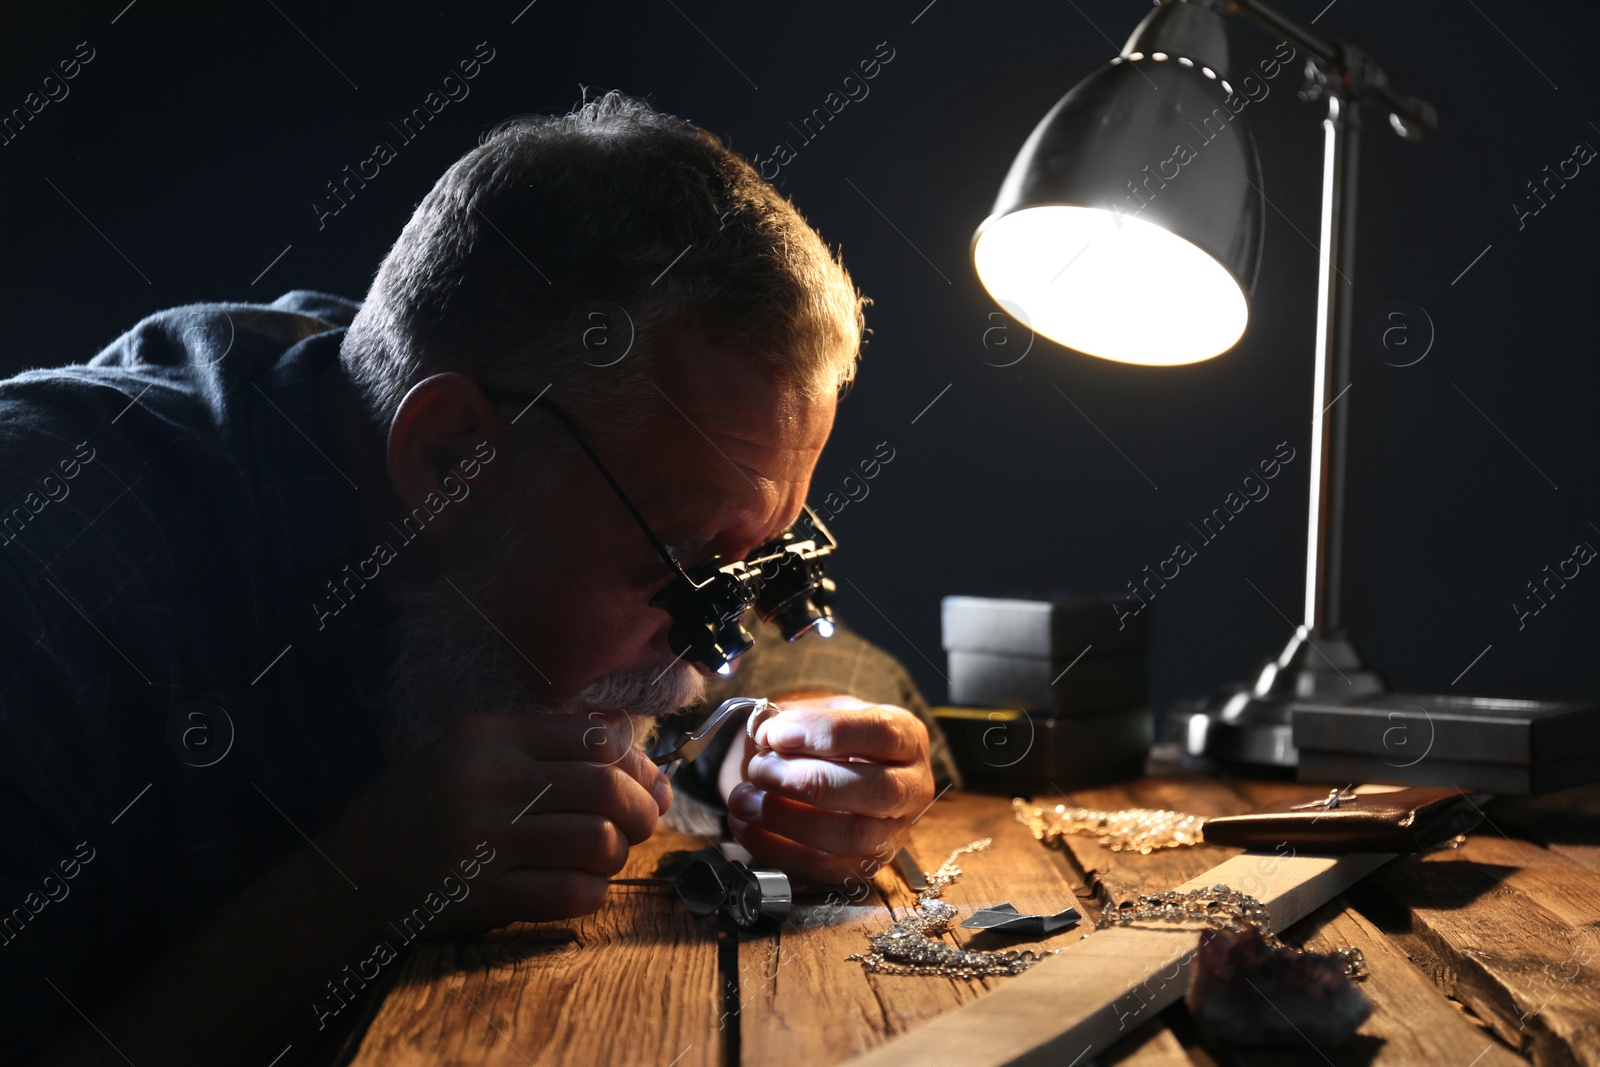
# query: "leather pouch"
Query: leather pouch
1405,820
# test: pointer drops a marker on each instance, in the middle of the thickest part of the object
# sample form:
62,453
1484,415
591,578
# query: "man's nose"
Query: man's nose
740,543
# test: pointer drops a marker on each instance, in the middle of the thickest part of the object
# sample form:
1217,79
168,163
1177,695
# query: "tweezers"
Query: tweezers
696,741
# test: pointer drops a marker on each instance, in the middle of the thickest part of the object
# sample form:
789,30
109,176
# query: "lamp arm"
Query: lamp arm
1363,79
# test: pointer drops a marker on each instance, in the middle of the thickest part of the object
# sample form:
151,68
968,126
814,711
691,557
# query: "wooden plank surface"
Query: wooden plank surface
634,983
1509,928
1095,991
1151,1044
782,1017
1567,823
1115,876
1505,926
1411,1023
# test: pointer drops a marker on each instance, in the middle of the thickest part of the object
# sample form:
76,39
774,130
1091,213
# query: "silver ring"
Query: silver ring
763,711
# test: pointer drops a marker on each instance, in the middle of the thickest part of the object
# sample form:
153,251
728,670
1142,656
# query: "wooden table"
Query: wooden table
1480,956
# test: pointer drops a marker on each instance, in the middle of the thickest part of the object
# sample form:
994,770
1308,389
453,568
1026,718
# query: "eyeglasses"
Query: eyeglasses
784,579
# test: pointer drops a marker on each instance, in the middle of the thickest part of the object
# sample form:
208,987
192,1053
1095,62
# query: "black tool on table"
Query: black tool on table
744,895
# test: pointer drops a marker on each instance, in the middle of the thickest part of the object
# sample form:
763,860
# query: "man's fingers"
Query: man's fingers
637,765
566,840
607,745
601,738
801,863
576,787
529,895
877,789
859,837
591,738
875,732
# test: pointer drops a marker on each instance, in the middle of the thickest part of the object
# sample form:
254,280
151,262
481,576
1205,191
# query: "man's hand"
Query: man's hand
830,786
558,799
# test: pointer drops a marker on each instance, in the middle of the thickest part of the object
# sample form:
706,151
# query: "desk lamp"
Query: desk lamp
1130,228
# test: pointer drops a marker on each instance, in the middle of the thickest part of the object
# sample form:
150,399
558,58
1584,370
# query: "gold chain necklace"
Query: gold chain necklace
911,946
1220,907
1141,830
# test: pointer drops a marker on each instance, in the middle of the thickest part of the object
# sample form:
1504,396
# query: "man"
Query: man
324,628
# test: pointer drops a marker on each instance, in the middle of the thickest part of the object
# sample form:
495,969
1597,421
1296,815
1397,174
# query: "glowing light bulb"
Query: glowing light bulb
1110,285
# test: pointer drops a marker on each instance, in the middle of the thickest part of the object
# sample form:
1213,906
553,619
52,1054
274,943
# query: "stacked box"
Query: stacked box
1005,750
1046,692
1483,744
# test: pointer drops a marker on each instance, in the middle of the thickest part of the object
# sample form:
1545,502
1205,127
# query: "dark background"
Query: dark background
191,148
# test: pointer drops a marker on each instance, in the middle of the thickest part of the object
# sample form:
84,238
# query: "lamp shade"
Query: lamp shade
1129,227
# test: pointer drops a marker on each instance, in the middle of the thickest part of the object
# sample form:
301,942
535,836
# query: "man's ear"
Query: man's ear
442,421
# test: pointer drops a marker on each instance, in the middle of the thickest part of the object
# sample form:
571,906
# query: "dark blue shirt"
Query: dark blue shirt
172,718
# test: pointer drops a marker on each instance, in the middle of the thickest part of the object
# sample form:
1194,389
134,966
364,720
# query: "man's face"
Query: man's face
723,467
558,616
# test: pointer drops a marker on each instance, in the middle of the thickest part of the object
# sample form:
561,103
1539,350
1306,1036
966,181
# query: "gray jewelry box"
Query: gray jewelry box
1055,653
1485,744
1003,750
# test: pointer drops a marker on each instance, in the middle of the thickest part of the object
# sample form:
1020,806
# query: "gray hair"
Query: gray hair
561,249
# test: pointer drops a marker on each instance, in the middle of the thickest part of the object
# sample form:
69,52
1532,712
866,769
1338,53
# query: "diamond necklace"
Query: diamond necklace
911,946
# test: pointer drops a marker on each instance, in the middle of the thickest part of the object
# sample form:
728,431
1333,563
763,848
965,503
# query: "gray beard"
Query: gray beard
450,661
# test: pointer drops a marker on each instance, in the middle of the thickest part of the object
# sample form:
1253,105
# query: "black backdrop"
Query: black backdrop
186,155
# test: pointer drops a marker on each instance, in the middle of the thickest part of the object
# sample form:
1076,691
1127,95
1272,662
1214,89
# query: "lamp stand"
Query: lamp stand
1252,724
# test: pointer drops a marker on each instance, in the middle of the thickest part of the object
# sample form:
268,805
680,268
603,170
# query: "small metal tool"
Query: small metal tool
695,742
911,871
744,895
1005,918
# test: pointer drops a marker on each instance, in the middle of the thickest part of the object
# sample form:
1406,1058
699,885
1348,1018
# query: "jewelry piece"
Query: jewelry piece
1331,801
1141,830
911,946
950,870
1219,907
765,710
